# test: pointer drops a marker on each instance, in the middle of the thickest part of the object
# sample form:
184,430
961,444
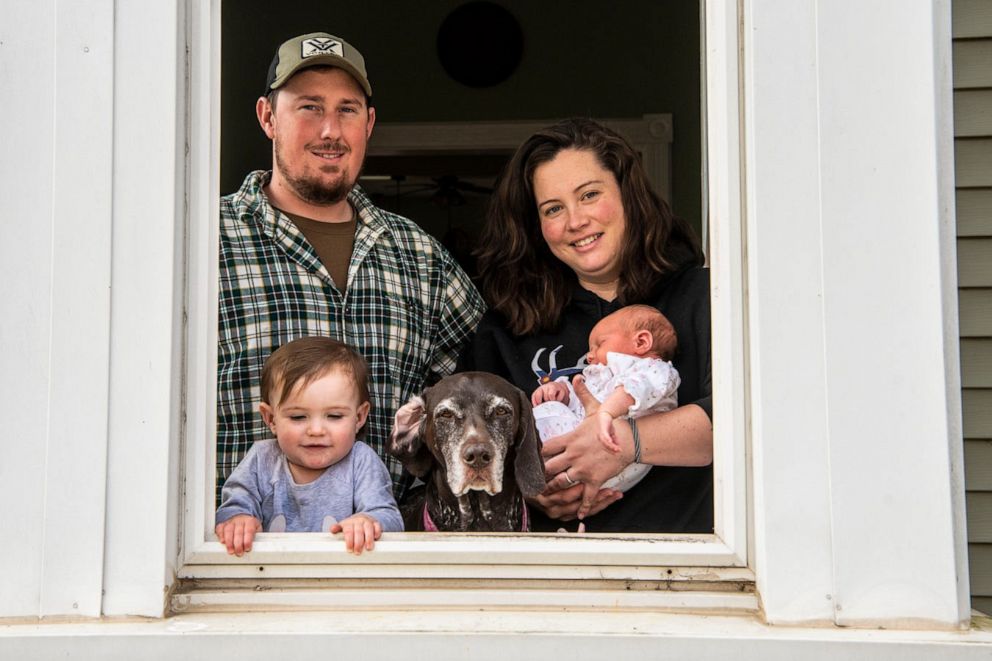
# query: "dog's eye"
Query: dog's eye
445,413
501,410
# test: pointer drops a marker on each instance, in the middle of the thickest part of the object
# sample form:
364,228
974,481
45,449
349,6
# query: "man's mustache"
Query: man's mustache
330,146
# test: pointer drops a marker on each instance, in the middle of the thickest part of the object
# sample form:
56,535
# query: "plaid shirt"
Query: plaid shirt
408,309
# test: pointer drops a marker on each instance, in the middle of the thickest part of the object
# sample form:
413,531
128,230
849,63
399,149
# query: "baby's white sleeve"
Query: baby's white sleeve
652,383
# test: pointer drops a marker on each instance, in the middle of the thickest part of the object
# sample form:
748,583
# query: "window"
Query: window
462,559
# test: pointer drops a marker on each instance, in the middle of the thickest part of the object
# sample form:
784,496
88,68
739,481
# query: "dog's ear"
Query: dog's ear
528,465
406,441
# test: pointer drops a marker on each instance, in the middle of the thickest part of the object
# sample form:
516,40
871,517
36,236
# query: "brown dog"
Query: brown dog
471,439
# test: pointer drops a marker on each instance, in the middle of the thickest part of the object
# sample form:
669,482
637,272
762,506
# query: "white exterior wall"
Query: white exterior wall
92,217
856,427
56,259
854,434
26,265
146,321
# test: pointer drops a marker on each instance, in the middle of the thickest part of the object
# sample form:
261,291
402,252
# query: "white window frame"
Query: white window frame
719,557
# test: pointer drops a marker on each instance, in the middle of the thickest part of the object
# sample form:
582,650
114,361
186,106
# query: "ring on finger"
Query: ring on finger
568,479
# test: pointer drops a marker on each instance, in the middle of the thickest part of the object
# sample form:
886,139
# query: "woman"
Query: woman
574,232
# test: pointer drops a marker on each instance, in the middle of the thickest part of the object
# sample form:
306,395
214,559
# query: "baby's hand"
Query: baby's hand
238,533
550,392
607,435
360,532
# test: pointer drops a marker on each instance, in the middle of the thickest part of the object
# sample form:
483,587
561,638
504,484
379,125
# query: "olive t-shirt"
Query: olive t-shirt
333,242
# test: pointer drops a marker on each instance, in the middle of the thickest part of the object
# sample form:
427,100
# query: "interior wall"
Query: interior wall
578,59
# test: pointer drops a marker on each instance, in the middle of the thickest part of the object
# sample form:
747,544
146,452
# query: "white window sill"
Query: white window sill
636,557
417,595
478,635
308,572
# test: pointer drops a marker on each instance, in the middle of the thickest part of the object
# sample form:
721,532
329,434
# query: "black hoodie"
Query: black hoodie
669,498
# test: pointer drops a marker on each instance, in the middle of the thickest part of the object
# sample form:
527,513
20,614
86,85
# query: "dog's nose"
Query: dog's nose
477,455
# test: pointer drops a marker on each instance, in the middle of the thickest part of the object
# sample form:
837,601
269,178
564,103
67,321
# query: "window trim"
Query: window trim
478,556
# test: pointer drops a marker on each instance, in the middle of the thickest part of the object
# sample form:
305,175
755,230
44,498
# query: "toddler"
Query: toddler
313,476
629,371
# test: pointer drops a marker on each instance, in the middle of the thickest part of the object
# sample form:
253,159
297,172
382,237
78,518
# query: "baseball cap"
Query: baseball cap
314,49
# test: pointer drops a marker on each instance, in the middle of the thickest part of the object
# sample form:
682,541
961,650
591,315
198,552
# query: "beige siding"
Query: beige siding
973,160
975,262
980,519
983,604
981,580
972,18
971,68
976,362
978,465
974,207
975,308
977,408
973,112
972,25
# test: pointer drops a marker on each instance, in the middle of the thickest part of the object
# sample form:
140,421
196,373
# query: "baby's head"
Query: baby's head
315,399
636,330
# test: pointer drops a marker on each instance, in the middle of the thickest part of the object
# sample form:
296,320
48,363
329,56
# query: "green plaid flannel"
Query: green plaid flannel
408,309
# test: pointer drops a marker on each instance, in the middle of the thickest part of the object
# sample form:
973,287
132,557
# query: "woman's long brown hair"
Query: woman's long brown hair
520,276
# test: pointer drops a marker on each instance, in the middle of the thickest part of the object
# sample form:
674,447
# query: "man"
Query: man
303,251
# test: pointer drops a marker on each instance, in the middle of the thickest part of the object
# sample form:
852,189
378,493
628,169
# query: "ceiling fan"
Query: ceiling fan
445,191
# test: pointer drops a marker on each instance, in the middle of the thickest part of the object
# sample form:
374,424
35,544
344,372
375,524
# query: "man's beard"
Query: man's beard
311,189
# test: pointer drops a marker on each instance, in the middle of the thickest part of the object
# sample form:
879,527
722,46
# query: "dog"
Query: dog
471,438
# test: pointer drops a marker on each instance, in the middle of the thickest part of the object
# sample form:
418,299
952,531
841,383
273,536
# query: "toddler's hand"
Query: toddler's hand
238,533
360,532
607,435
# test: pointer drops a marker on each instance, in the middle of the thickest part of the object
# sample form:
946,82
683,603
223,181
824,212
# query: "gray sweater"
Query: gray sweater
262,486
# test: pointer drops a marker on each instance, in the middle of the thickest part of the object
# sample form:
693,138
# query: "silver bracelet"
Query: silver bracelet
637,441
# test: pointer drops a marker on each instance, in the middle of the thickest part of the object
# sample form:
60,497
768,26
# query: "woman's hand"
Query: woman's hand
579,456
563,504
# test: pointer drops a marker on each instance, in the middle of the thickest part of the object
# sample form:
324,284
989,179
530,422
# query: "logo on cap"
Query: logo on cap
321,46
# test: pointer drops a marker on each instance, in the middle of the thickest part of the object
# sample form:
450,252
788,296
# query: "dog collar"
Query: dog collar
430,526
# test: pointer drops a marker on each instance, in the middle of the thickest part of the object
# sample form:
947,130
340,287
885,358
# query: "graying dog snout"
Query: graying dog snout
477,455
